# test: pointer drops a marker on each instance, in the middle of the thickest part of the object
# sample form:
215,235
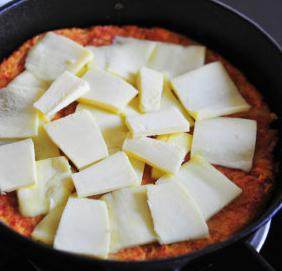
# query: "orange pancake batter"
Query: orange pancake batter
256,185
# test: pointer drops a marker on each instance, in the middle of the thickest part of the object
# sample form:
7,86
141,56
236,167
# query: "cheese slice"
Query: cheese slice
209,92
84,228
101,56
182,140
162,155
18,118
130,218
46,229
17,165
169,100
112,126
138,167
54,54
110,174
174,60
79,137
125,60
64,90
175,214
211,190
43,145
150,85
228,142
107,91
157,123
52,188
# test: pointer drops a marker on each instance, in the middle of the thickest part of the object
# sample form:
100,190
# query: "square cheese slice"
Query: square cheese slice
112,126
110,174
53,186
130,218
209,92
175,214
182,140
150,85
107,90
54,54
18,118
228,142
126,59
162,155
79,137
174,60
45,230
17,165
211,190
84,228
64,90
157,123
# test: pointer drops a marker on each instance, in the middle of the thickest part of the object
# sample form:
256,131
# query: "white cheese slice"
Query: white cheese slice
101,56
182,140
157,123
139,167
84,228
112,126
18,118
52,188
211,190
150,85
162,155
126,59
64,90
110,174
107,90
46,229
209,92
228,142
169,100
79,137
174,60
43,145
54,54
130,218
175,214
17,165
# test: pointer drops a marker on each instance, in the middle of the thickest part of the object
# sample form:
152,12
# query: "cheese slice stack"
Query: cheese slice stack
210,189
52,187
79,137
209,92
181,140
228,142
84,228
54,54
130,218
107,91
162,155
174,60
157,123
18,118
150,85
64,90
175,214
110,174
17,165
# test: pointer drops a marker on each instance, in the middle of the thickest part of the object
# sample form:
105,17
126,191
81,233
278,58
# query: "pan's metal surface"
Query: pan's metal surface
234,36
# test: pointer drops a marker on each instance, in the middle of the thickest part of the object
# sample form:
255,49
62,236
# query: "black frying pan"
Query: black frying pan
238,39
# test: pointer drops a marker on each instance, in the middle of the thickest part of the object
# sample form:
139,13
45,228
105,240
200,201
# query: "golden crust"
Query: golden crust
256,185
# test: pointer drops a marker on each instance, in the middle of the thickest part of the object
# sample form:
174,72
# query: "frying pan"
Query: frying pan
222,29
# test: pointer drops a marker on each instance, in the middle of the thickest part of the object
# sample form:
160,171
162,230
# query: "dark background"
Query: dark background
268,14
